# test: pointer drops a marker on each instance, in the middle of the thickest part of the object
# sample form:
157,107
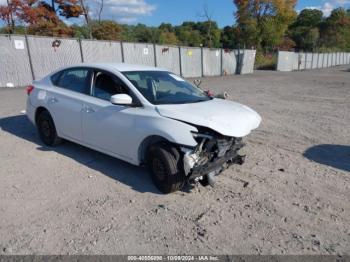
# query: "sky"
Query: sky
154,12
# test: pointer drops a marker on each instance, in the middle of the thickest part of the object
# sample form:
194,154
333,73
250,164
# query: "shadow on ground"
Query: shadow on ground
135,177
337,156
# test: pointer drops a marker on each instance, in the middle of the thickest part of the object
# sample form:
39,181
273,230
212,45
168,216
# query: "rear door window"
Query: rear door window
76,79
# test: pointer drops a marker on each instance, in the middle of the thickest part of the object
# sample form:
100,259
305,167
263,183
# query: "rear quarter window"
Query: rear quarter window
76,79
55,78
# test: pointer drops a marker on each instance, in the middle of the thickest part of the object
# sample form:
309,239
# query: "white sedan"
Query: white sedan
142,115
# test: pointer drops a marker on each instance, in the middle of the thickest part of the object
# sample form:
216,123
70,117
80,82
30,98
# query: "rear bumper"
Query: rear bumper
30,111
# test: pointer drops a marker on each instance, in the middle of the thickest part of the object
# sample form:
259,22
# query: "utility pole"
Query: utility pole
12,21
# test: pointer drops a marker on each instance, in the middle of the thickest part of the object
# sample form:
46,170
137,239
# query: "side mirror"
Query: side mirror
121,99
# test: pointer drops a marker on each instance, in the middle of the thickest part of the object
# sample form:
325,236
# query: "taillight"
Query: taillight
29,89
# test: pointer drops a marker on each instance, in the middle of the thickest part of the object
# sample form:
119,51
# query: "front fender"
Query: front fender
172,130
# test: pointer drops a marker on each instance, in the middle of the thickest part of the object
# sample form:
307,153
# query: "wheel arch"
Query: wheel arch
147,143
38,111
172,132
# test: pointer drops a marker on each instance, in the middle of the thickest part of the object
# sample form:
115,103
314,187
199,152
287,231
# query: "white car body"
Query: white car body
124,131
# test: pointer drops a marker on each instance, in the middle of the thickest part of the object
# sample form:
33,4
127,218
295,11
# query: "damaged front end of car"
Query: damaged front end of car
213,154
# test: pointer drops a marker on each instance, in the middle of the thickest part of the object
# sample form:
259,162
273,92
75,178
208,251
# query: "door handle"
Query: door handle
53,100
89,110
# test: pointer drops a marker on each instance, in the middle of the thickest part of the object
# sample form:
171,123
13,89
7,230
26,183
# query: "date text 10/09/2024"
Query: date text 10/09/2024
172,258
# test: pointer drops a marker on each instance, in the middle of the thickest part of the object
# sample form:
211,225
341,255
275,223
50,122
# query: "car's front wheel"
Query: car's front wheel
47,129
166,168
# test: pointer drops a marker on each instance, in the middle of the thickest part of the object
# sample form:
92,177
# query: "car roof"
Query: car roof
121,67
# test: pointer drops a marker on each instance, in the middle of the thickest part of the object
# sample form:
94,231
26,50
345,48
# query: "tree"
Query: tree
68,8
40,16
209,24
168,38
85,13
210,33
308,18
189,36
146,34
228,37
101,5
335,30
6,14
166,27
287,44
247,29
80,31
305,30
128,34
106,30
263,22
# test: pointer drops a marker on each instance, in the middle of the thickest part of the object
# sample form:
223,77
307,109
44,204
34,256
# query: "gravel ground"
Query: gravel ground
292,196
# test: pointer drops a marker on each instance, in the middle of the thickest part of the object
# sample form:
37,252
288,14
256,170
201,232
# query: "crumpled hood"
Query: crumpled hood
226,117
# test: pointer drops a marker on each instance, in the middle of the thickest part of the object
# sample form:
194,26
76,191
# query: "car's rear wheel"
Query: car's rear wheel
47,129
166,168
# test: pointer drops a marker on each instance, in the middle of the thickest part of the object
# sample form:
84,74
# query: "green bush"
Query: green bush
265,61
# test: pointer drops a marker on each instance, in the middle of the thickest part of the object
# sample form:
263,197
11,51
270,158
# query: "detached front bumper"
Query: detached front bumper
217,165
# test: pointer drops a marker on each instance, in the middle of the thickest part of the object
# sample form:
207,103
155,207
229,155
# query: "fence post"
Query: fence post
299,61
122,51
202,62
312,60
180,61
30,57
81,50
328,56
221,62
338,58
238,60
155,54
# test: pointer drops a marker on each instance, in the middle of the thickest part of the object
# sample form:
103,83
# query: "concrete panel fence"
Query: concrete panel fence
101,51
46,58
191,62
15,68
212,62
26,58
229,62
290,61
168,57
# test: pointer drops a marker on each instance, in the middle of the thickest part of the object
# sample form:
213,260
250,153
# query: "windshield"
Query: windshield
160,87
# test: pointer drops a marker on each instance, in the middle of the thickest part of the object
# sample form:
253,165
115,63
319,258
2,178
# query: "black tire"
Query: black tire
47,130
205,181
166,168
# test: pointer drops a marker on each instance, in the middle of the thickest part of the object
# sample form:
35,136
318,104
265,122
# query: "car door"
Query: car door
65,101
106,126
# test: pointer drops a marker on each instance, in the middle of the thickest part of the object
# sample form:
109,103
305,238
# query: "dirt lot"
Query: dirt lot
291,197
